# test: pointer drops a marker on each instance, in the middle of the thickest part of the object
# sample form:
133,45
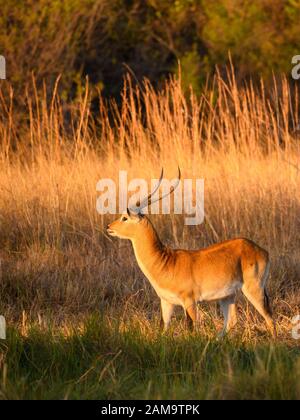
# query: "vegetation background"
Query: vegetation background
102,37
202,84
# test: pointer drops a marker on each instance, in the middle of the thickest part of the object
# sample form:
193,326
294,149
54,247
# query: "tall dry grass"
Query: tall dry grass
57,262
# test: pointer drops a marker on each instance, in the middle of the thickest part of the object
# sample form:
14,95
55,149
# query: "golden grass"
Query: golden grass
56,261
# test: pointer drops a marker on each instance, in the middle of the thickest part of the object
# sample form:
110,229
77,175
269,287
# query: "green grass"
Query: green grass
111,360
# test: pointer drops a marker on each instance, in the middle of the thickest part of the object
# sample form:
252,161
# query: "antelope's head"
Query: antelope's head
128,226
132,223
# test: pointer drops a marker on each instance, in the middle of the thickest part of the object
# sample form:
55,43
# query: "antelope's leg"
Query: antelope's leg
167,310
228,308
259,299
191,312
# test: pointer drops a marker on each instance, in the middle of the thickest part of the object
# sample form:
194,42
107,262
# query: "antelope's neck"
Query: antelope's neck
151,255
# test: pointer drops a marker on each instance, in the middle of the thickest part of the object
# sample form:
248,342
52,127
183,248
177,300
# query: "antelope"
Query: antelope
185,277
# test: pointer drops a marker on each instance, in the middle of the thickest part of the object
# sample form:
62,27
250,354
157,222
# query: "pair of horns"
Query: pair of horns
147,200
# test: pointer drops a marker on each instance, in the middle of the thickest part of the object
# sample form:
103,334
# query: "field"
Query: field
82,320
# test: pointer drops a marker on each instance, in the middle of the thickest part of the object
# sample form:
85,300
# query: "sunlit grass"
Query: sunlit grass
58,267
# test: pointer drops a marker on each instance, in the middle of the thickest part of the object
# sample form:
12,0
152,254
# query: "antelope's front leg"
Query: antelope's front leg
167,310
191,315
228,308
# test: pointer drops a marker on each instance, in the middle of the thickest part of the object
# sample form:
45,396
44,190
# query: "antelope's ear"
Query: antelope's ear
133,213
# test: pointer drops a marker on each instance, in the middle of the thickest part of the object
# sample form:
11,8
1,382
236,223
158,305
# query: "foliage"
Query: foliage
100,38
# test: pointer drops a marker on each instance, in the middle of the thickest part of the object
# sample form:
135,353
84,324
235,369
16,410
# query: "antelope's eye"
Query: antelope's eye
124,218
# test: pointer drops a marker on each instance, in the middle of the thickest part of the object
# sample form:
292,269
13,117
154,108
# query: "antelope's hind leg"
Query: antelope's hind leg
260,300
228,309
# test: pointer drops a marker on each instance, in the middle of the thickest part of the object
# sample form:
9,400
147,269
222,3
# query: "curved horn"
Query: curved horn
146,201
172,189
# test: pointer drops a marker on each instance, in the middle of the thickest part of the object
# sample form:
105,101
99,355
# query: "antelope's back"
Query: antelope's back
226,261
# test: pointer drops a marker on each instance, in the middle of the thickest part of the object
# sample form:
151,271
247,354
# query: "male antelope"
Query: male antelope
183,277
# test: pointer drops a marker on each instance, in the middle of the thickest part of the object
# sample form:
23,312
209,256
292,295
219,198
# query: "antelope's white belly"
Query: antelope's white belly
217,294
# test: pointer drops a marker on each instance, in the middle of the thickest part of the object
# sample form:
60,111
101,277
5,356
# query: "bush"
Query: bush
103,38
